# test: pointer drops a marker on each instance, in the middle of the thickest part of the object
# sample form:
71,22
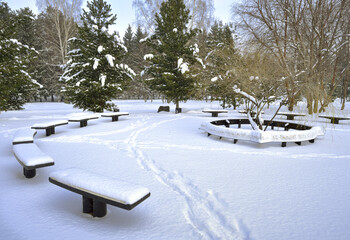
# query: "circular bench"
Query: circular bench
222,128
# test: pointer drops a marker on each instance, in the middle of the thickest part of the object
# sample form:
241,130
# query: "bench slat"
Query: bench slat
110,190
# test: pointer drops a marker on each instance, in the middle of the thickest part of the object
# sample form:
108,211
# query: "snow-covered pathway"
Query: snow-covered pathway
204,211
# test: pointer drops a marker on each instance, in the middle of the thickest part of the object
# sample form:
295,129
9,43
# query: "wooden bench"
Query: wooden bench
114,115
82,119
31,158
335,119
290,116
98,190
214,112
24,136
253,113
49,126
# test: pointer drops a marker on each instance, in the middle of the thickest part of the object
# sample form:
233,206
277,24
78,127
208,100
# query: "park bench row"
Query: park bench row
289,115
50,126
97,190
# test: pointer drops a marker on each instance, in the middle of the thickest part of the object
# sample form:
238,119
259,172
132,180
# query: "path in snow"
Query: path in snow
204,210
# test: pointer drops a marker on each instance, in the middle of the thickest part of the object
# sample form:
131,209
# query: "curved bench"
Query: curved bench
305,133
98,190
24,136
114,115
82,119
49,126
31,158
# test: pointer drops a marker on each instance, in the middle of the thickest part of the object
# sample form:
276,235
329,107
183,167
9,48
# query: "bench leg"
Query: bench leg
335,121
99,209
312,140
87,205
29,173
83,123
114,118
235,141
290,117
284,144
48,131
298,143
214,114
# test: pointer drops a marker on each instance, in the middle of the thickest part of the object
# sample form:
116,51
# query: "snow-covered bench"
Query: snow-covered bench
49,126
335,119
31,158
290,115
24,136
214,112
222,129
98,190
82,119
114,115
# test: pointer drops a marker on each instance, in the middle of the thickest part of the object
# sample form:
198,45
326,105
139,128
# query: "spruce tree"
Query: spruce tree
221,62
173,57
16,84
94,75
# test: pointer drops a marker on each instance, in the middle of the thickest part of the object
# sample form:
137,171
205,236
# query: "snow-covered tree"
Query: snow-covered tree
202,12
94,75
172,59
16,84
221,63
259,83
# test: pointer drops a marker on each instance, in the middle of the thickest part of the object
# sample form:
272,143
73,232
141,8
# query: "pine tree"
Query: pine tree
172,56
16,84
221,62
94,75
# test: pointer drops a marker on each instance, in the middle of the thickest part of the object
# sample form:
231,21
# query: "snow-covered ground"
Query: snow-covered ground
201,187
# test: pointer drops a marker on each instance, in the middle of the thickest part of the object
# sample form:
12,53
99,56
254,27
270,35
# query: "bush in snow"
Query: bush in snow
94,75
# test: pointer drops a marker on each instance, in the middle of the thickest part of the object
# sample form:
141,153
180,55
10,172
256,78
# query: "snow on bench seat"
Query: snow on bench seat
214,112
334,119
24,136
31,158
98,190
49,126
82,119
114,115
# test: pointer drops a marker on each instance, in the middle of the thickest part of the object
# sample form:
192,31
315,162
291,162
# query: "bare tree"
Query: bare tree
202,12
63,14
305,37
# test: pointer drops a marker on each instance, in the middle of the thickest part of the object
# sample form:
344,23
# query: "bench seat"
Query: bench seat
98,190
214,112
334,119
49,126
24,136
114,115
31,158
82,119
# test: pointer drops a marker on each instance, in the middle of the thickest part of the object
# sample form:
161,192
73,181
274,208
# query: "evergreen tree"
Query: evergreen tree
16,84
94,75
221,62
134,58
173,57
128,38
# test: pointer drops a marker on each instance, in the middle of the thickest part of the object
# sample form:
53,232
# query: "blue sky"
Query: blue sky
125,12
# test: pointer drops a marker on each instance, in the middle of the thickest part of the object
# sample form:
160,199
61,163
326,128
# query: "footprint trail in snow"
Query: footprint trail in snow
204,210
